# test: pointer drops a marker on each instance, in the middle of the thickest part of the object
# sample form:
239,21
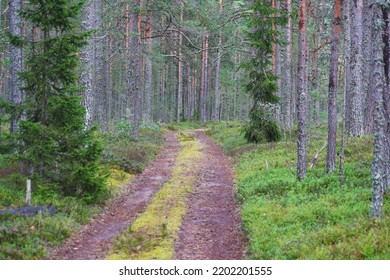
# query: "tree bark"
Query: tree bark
217,94
333,88
287,71
203,81
87,61
16,57
356,116
179,112
147,116
378,166
301,91
134,68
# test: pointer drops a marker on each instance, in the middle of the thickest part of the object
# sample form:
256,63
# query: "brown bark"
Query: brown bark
333,88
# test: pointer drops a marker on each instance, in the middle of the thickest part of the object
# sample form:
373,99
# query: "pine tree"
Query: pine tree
52,140
263,82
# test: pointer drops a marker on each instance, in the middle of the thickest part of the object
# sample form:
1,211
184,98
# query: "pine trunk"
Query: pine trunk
301,91
333,88
16,58
378,167
134,68
87,61
217,94
147,116
356,116
287,71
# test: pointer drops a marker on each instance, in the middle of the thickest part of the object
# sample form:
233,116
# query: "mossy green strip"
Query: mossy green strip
153,233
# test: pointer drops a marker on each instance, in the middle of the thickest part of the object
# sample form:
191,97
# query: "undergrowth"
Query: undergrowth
318,218
32,237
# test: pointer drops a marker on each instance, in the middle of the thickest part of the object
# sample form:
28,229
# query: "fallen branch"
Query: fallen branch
314,160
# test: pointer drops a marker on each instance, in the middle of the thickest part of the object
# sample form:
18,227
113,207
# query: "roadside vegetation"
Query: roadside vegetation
24,237
321,217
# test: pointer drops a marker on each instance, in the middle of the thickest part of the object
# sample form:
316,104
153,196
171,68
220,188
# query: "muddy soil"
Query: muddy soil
211,229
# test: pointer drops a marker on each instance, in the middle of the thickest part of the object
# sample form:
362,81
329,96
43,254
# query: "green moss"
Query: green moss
319,218
153,233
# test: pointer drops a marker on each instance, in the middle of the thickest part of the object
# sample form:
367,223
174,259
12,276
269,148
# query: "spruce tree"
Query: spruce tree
262,81
53,143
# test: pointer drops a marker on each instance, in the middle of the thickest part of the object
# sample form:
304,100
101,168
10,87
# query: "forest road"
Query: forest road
94,240
211,227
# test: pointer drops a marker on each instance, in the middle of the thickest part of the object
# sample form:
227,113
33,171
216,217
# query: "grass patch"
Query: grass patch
319,218
153,233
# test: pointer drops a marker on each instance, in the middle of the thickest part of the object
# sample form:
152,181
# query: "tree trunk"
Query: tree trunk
147,116
333,88
203,81
217,94
386,99
16,57
301,91
134,67
179,112
356,116
100,85
378,167
287,71
87,61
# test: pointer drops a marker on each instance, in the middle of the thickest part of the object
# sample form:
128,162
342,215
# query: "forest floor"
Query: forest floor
206,225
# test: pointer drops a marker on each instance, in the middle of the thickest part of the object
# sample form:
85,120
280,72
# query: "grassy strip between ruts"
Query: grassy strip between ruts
153,233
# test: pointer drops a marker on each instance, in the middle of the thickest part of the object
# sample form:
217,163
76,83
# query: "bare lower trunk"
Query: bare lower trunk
16,57
333,88
134,91
356,116
378,167
287,72
301,91
87,61
217,94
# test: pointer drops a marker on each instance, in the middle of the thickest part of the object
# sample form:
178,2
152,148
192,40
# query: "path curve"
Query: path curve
211,229
94,240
